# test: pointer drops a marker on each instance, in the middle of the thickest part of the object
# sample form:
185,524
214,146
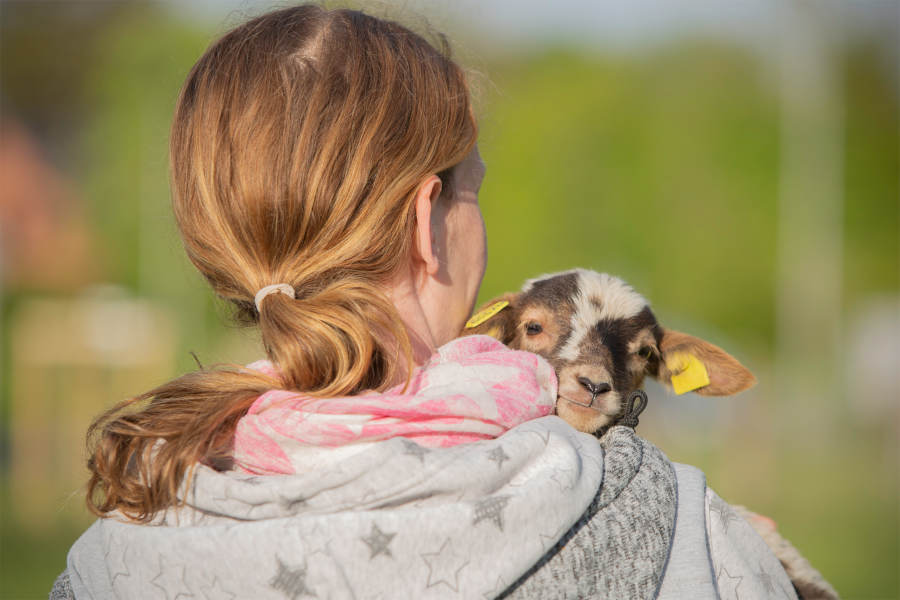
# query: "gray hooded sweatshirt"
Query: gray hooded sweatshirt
542,511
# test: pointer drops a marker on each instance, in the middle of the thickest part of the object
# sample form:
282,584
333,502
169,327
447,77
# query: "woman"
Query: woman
325,179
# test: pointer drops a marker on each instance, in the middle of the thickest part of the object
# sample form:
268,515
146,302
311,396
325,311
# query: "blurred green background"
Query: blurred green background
736,162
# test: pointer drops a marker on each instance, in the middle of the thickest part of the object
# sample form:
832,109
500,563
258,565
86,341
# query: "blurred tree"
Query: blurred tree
45,54
872,176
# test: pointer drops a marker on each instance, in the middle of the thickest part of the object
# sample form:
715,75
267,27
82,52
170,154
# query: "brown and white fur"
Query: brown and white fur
602,339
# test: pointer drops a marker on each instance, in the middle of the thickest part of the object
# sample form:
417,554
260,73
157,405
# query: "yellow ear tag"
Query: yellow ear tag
690,373
485,314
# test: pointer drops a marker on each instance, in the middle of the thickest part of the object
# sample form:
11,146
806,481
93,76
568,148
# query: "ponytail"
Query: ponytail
341,340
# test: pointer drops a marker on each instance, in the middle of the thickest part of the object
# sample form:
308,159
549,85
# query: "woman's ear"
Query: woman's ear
496,318
689,364
427,232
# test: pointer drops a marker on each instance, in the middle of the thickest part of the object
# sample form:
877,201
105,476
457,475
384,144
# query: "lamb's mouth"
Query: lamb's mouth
591,406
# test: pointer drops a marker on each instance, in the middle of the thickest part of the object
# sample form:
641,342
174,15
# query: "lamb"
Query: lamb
602,339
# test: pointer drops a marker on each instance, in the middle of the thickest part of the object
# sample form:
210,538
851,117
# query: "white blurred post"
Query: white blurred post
808,370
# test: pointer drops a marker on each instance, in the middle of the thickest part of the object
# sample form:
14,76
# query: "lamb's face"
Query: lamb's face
602,339
599,335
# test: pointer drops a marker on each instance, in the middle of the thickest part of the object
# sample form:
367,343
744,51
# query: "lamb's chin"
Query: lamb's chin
582,418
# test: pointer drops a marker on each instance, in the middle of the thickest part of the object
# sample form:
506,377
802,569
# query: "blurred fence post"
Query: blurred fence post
73,359
810,222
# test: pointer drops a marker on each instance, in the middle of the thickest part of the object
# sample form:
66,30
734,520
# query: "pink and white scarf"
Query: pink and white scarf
471,389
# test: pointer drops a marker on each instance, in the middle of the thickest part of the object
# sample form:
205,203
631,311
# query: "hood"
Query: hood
395,519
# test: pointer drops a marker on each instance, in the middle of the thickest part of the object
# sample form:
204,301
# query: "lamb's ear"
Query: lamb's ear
689,364
496,318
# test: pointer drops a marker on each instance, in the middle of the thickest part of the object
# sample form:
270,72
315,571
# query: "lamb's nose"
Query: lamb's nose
594,388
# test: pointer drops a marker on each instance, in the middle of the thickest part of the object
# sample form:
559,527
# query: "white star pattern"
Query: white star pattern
413,449
498,456
315,541
726,515
170,580
544,437
115,559
595,455
444,566
378,542
728,585
491,509
495,591
548,540
290,582
766,580
215,591
564,478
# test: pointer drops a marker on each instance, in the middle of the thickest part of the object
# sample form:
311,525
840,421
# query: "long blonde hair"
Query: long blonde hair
298,143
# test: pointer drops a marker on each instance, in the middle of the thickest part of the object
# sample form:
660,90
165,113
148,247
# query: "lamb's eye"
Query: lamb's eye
533,328
646,352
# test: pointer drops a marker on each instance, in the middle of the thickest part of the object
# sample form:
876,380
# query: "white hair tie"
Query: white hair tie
287,290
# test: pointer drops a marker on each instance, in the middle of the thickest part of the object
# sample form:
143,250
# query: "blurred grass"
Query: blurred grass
838,507
659,166
30,561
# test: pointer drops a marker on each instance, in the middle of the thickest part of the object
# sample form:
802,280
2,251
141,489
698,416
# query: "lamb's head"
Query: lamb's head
602,339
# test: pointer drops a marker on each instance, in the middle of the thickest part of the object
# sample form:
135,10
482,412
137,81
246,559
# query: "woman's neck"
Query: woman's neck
402,292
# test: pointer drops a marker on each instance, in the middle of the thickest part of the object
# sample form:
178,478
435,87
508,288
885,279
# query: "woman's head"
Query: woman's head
298,143
301,145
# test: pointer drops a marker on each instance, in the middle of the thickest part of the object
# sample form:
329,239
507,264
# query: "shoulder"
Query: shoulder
482,360
62,588
485,350
469,346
